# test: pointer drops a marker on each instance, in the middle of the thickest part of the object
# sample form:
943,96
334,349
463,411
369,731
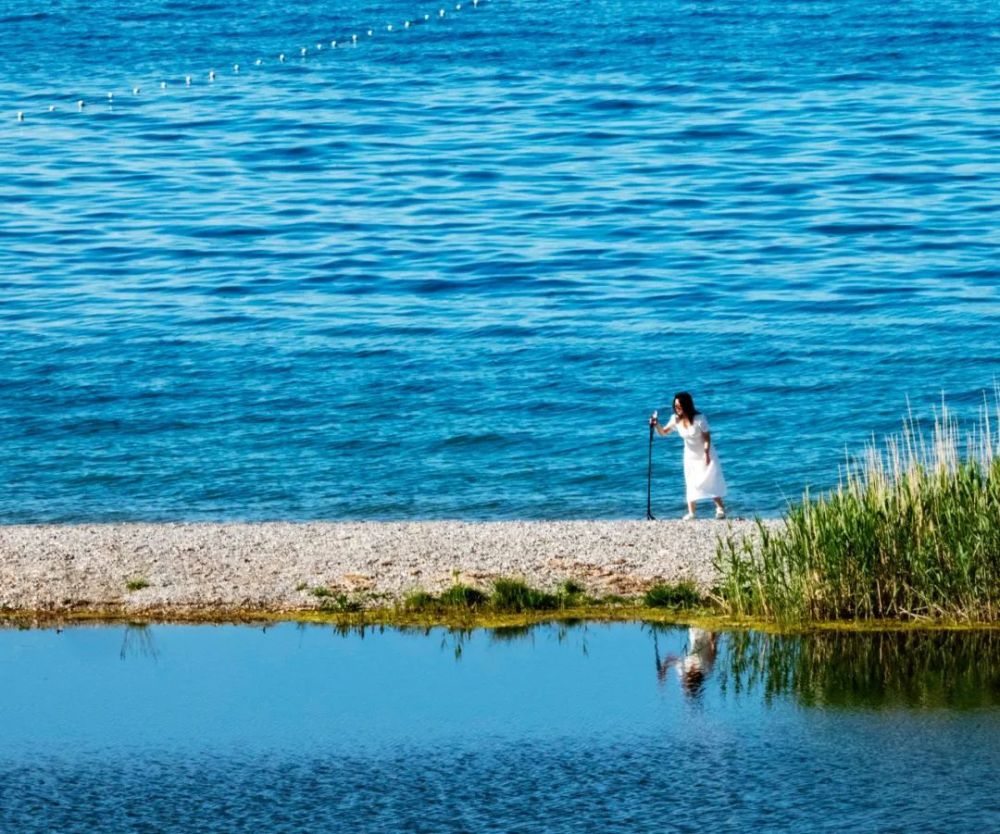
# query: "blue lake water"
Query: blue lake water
561,728
448,271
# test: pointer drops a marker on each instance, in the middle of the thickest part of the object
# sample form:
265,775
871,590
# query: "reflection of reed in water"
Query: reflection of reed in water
957,669
137,641
454,639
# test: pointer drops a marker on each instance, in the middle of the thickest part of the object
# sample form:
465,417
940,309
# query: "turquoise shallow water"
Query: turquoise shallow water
560,729
447,272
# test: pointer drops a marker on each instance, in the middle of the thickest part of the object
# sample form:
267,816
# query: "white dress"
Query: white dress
701,481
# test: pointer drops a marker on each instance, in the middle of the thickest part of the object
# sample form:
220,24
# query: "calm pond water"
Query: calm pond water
449,272
560,728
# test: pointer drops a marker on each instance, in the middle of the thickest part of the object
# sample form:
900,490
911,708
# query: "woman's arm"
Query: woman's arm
663,431
708,447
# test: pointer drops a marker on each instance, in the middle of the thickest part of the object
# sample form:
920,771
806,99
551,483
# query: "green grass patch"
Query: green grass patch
462,596
136,584
507,596
341,604
420,601
571,588
571,594
681,595
514,595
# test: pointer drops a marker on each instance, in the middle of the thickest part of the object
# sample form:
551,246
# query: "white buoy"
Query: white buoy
163,85
406,25
111,96
211,75
427,17
302,52
258,62
20,115
319,46
475,4
370,33
458,7
80,105
236,68
388,27
354,38
52,108
187,80
333,44
281,57
136,91
440,12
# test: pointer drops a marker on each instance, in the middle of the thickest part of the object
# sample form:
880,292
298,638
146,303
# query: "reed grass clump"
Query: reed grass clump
514,596
665,595
507,596
340,603
463,596
912,532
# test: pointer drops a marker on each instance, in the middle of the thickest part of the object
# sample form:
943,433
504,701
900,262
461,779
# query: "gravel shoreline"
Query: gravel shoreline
274,566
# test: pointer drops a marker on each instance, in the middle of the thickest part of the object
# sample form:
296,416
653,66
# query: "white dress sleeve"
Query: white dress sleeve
672,422
701,421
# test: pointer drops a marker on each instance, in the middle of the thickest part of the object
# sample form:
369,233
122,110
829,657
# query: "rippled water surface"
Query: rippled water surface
448,271
620,728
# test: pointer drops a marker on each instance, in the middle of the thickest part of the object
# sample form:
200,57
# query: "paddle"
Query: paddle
649,472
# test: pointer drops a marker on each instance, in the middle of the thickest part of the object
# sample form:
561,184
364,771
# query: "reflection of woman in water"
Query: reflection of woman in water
697,663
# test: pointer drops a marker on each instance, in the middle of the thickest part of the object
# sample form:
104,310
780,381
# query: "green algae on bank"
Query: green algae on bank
511,603
395,617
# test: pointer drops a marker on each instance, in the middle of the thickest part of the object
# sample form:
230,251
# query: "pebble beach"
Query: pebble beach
231,568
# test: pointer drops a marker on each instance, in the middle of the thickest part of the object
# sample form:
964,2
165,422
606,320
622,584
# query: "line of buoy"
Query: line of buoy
303,52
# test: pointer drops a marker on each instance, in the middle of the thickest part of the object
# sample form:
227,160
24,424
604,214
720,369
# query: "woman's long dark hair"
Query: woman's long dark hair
687,405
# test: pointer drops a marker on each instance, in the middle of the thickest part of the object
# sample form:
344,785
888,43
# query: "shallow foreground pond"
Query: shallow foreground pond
559,728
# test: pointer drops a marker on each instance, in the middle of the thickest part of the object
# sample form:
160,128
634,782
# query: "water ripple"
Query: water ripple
562,223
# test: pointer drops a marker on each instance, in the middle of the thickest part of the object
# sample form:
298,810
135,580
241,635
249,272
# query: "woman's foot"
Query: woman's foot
720,513
688,517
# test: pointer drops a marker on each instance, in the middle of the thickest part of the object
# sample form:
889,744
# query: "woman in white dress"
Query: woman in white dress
702,470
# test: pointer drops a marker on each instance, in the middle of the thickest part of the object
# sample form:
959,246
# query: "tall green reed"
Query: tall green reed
911,532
